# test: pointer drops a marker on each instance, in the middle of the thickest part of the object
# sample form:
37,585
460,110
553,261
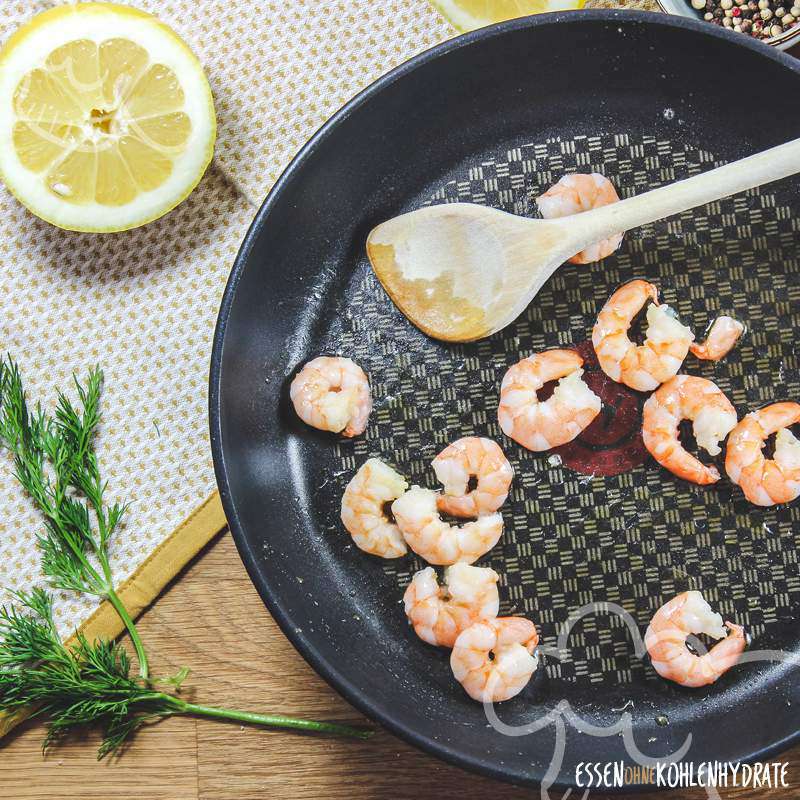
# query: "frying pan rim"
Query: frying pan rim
326,670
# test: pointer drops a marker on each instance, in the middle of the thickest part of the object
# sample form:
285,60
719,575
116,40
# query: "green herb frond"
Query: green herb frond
88,684
28,639
56,464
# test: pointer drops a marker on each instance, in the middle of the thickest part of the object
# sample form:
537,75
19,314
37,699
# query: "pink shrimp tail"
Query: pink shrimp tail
719,659
722,337
726,653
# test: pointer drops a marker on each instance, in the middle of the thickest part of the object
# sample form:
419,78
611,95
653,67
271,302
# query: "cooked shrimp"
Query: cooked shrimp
646,366
764,481
467,459
721,339
440,613
574,194
364,504
437,542
540,425
494,659
332,394
712,416
673,623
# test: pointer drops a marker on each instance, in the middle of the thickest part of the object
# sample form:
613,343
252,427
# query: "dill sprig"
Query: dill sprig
55,463
89,682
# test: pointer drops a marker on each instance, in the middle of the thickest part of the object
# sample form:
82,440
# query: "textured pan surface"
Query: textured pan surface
495,118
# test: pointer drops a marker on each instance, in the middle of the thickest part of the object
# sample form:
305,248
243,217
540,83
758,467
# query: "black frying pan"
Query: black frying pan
495,117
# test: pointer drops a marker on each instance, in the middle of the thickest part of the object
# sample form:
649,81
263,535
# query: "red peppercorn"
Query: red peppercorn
737,12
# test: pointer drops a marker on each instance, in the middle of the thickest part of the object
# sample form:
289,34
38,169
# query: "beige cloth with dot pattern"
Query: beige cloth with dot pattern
143,303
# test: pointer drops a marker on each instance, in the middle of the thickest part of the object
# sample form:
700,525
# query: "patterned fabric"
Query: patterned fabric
280,69
143,304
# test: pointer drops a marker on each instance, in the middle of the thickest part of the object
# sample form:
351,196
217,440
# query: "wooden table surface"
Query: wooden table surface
205,620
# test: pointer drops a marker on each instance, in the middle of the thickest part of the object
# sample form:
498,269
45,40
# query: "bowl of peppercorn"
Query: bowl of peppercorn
776,22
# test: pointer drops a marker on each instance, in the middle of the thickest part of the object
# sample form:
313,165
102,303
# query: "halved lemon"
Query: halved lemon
467,15
106,117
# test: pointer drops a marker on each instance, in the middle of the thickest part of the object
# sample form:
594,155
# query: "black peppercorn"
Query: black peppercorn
761,19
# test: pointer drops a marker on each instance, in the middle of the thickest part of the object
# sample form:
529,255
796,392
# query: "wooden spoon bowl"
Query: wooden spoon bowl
461,271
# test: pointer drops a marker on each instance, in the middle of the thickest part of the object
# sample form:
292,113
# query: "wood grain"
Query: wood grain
205,621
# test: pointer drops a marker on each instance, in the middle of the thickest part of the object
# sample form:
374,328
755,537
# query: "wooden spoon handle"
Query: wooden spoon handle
747,173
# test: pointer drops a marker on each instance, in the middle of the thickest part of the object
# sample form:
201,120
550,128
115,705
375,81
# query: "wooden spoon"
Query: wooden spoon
461,272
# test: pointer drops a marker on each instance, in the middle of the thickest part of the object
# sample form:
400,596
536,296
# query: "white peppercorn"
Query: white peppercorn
761,19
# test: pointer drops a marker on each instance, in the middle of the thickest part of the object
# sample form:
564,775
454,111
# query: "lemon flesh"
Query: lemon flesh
467,15
106,117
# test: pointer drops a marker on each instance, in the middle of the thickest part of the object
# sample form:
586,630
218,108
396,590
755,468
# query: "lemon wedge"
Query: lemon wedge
467,15
106,117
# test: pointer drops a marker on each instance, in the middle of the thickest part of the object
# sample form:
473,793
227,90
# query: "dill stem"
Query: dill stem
122,613
270,720
141,654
